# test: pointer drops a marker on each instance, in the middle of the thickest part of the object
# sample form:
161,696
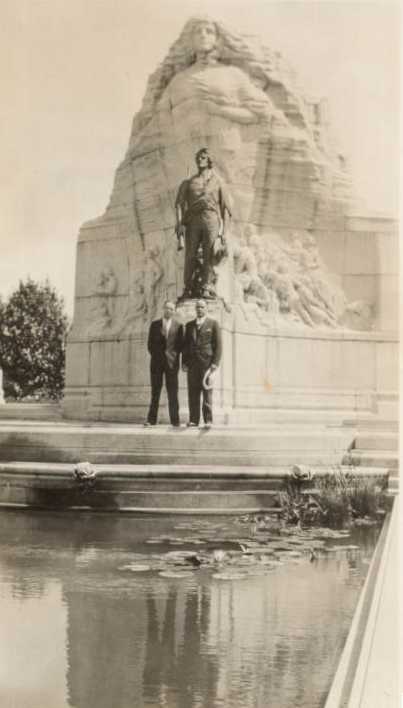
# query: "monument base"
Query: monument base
266,368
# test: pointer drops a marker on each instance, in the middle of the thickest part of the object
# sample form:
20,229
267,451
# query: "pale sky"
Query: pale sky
74,73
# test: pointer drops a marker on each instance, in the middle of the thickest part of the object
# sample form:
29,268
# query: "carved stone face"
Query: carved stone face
204,37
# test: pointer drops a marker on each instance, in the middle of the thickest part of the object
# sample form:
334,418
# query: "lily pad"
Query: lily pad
175,575
173,555
329,533
135,567
296,541
265,561
243,562
266,551
229,576
273,563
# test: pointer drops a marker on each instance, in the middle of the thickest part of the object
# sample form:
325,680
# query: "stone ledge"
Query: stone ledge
368,671
278,332
151,472
149,489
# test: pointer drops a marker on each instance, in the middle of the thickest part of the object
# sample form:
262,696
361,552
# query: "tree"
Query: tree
1,313
33,327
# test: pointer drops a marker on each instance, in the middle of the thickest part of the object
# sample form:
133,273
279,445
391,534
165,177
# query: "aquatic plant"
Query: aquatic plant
338,498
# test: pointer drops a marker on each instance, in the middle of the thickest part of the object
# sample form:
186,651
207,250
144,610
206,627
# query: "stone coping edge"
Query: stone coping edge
344,335
111,472
347,677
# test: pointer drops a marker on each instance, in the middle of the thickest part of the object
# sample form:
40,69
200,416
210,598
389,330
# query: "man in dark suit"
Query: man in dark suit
165,342
201,357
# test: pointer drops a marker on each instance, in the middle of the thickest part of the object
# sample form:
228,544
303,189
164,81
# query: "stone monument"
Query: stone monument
303,286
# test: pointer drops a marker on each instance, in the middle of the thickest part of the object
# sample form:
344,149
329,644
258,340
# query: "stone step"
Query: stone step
377,441
389,409
135,428
373,458
289,415
30,411
51,412
374,425
250,501
134,444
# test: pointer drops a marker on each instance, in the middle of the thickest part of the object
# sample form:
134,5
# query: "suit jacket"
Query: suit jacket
165,351
202,346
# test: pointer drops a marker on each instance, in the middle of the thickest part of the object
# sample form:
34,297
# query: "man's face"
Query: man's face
169,310
202,160
200,308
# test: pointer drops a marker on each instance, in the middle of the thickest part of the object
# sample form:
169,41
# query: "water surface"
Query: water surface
81,631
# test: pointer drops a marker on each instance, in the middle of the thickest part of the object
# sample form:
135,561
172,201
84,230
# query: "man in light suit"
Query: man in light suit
165,342
201,355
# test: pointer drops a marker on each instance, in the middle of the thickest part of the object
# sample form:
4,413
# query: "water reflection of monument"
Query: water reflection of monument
106,647
249,643
299,268
139,649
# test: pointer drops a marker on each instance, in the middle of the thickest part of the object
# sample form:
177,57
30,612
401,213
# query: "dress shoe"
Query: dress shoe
192,425
147,424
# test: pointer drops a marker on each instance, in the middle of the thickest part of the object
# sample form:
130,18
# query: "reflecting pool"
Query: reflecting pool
89,621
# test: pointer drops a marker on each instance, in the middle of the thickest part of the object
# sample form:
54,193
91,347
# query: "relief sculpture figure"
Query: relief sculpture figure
103,312
153,281
211,66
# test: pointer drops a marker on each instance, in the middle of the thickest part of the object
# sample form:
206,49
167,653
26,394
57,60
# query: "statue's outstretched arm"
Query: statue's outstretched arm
259,103
238,114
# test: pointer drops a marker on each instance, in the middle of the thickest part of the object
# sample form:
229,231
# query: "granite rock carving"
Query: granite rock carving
271,148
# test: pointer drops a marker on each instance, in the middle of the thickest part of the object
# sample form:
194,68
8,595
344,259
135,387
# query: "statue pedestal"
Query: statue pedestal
267,369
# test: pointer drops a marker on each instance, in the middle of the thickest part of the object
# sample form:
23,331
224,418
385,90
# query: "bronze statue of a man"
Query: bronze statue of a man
202,212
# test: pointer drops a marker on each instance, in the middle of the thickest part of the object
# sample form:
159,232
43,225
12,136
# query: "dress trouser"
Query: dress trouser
171,384
195,390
